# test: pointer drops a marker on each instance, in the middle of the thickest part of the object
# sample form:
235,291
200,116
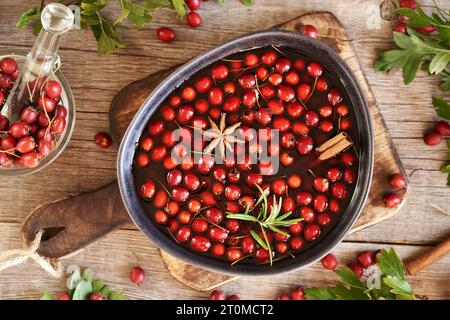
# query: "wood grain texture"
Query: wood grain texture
72,224
123,107
129,99
193,277
113,257
95,79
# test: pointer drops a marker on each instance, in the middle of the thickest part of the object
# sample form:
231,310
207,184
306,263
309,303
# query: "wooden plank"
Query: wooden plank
134,248
399,105
69,212
89,123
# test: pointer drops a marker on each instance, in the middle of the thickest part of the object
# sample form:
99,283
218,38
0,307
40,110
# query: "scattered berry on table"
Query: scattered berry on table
329,262
137,275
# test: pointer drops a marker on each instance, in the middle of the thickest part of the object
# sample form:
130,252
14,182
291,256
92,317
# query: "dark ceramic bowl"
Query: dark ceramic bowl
309,47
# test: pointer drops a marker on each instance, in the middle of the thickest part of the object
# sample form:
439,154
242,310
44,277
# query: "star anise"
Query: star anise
221,136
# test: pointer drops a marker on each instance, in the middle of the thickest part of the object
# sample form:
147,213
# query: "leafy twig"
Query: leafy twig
106,32
80,286
392,284
416,50
266,218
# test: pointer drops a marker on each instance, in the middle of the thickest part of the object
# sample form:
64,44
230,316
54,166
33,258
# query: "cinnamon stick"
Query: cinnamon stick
334,146
428,258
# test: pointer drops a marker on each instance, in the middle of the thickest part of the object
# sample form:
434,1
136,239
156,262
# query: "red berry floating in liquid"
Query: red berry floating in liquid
287,98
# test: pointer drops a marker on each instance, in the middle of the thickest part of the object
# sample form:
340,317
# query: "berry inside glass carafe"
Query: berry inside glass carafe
25,142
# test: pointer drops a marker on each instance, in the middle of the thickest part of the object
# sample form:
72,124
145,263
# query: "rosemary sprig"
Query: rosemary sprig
266,218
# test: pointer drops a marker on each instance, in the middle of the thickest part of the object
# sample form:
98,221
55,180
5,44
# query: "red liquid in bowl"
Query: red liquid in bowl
266,88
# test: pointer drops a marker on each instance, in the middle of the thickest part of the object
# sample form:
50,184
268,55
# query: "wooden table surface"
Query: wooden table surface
83,166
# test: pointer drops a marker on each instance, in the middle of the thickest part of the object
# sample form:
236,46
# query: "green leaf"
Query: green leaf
262,197
105,291
415,50
87,21
156,4
444,33
268,245
222,2
392,287
403,41
283,216
352,293
286,222
411,67
264,206
239,216
88,275
417,18
439,62
247,2
83,290
442,107
138,19
124,12
395,58
92,7
275,210
445,169
445,85
247,209
390,264
275,229
409,60
258,239
426,45
399,286
108,38
135,12
179,8
74,279
384,292
319,294
97,285
116,296
46,296
347,276
37,27
29,16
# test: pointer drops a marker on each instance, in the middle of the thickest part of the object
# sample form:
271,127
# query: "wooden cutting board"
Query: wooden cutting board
73,223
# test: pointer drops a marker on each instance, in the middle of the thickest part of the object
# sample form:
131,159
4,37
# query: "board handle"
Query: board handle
428,258
73,223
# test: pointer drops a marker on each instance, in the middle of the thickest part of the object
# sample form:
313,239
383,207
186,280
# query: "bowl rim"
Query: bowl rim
250,41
